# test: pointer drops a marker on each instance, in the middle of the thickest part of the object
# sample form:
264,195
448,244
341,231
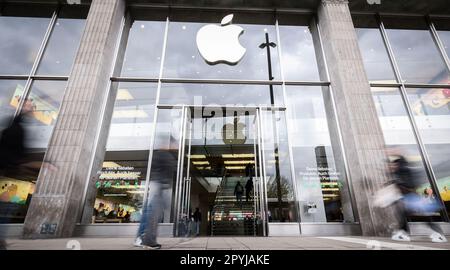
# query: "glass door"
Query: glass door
220,188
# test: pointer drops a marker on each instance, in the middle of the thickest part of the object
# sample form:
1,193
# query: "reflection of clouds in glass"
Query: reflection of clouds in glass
417,56
131,124
184,61
62,47
10,92
375,57
210,94
144,49
299,58
445,38
19,43
393,118
46,98
307,116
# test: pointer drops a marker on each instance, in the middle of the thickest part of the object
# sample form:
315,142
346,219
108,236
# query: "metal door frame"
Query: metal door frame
183,182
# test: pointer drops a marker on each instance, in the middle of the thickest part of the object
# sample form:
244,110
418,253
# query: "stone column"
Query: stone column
362,136
57,201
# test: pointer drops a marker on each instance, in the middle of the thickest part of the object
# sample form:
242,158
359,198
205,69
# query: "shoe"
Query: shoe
400,235
155,246
138,242
438,238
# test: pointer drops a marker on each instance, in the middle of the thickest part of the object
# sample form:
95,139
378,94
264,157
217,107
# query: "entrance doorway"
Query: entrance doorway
219,173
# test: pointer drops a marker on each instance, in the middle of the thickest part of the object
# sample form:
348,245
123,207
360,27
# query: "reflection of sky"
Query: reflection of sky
63,44
47,95
7,90
445,38
144,49
224,94
19,43
299,59
417,56
376,60
184,61
307,116
135,97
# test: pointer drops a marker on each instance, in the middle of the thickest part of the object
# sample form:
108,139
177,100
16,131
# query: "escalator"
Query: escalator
230,217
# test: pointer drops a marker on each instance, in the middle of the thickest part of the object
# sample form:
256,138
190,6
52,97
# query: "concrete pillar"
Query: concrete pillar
362,136
57,201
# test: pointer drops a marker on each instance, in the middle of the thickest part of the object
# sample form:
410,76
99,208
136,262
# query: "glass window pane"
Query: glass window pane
319,171
132,119
399,137
183,59
277,167
44,100
211,94
375,57
431,109
20,40
62,47
443,27
299,57
144,49
121,187
10,94
16,182
416,53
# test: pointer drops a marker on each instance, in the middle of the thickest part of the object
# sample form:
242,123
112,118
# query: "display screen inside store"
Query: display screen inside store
120,191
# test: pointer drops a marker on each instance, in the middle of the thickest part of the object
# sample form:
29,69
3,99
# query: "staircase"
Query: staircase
229,217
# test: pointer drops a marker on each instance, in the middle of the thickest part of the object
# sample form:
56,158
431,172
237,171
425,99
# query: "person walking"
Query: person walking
197,220
238,191
411,202
249,184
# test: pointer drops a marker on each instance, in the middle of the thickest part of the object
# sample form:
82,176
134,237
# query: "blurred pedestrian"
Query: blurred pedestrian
407,183
14,159
197,220
238,191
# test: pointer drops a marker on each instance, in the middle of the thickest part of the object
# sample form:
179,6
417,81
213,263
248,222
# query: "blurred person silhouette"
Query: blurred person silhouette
407,182
14,157
197,216
238,191
13,151
152,212
249,184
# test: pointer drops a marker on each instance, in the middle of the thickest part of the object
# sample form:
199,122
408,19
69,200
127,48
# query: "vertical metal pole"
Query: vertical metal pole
263,183
255,192
439,43
179,181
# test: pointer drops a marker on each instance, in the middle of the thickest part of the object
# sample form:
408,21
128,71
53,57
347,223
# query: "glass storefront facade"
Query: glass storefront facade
200,129
299,166
38,46
406,60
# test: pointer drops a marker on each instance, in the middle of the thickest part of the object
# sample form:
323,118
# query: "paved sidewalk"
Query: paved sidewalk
231,243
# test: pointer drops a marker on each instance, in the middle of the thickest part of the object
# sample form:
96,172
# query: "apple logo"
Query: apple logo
220,44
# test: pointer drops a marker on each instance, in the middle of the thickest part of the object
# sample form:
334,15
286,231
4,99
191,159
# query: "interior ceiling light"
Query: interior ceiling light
200,162
234,167
124,94
239,162
110,164
238,155
198,156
